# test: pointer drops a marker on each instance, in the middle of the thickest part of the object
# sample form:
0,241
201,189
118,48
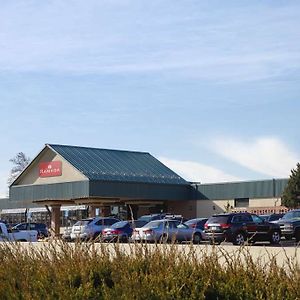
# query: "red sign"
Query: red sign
50,169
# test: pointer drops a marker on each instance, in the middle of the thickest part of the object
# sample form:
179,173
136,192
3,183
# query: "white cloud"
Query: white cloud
124,37
194,171
266,155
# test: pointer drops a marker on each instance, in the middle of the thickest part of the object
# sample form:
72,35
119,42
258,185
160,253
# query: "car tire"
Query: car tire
239,239
197,238
297,235
275,237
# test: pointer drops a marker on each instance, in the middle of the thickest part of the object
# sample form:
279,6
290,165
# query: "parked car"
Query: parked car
239,227
41,228
67,234
91,228
290,225
197,223
120,231
272,217
167,230
14,234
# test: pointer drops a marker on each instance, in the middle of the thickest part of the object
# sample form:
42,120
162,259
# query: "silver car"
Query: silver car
167,230
91,228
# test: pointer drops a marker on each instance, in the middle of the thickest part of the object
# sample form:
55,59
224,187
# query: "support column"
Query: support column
105,211
92,211
55,219
132,211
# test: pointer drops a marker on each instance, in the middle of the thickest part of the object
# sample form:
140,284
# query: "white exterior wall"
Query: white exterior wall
31,175
207,208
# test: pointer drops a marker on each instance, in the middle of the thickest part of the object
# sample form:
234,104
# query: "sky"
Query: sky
210,88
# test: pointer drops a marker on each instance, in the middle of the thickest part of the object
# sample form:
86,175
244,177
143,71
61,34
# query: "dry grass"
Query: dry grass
82,271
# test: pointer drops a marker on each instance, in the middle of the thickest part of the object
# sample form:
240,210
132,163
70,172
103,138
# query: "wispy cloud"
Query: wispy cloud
194,171
196,40
266,155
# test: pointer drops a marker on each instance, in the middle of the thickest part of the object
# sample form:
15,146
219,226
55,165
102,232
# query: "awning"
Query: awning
13,211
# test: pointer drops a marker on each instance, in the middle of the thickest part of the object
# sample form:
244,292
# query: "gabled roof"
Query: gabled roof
117,165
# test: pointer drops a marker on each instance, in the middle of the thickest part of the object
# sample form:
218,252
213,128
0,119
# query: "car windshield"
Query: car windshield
83,222
145,218
119,224
275,217
193,221
153,224
291,215
138,223
218,219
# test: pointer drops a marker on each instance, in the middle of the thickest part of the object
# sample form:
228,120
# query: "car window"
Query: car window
32,226
257,219
172,224
236,219
120,224
109,222
83,222
153,224
221,219
21,227
246,218
182,226
291,215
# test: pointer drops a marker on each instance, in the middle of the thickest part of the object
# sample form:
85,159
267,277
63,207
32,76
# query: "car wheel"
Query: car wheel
275,237
239,239
197,238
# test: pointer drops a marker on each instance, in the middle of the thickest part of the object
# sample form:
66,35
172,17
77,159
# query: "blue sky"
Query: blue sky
209,87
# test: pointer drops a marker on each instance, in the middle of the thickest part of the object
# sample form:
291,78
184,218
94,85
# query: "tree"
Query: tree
291,194
20,161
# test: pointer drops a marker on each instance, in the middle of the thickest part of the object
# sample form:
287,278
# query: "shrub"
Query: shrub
58,270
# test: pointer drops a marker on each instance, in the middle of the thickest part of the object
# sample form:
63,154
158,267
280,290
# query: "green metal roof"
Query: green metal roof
245,189
117,165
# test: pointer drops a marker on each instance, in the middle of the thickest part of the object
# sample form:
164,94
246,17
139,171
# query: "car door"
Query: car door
262,227
184,232
171,229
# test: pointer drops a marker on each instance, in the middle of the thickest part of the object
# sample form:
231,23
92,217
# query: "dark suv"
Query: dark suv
239,227
41,228
290,225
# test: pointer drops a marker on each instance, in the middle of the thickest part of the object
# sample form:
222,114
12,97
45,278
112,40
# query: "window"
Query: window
241,202
257,219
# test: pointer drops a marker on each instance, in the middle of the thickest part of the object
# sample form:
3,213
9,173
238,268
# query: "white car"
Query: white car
7,234
167,230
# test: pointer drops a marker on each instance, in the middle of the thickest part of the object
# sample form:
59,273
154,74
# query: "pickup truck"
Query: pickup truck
8,234
290,225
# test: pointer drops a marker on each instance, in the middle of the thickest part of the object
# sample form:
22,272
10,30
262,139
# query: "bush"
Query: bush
59,270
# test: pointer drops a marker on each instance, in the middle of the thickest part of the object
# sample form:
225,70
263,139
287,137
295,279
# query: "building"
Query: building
65,183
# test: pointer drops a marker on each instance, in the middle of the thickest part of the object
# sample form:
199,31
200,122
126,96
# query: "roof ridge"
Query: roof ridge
94,148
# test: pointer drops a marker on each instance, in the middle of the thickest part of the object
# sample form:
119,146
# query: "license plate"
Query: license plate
214,228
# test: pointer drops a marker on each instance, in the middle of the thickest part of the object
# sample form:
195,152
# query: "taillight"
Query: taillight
116,231
225,226
148,231
206,226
